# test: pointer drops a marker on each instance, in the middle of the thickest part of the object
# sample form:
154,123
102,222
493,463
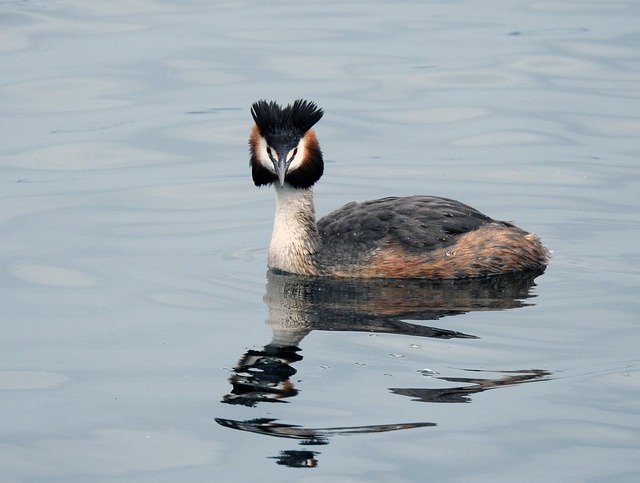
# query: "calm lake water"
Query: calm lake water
142,339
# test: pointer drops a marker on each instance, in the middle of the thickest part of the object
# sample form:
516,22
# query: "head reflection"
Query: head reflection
264,376
299,305
297,459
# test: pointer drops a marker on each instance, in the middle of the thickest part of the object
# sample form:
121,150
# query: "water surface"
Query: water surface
142,339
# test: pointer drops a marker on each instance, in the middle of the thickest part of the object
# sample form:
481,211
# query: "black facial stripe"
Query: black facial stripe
309,171
261,175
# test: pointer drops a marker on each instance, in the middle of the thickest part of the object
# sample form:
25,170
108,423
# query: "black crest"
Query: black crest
294,119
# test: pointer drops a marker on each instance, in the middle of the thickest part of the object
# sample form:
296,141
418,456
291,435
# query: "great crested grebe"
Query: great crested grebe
396,237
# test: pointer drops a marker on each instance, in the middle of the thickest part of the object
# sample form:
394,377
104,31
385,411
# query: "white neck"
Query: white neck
295,236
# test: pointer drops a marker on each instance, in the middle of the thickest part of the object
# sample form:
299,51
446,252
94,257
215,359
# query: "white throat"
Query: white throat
295,236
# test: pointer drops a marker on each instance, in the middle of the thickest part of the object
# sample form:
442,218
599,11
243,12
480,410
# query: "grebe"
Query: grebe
395,237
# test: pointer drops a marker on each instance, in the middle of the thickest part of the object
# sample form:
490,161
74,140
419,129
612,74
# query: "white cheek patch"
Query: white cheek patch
296,162
263,156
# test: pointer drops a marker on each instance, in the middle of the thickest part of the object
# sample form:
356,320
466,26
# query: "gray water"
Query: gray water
142,339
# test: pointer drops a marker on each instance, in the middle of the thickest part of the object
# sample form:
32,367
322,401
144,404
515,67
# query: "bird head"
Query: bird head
283,146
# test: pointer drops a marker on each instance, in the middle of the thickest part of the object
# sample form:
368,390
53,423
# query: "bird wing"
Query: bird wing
417,223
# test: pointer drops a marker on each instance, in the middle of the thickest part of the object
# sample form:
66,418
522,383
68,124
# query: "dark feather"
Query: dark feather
417,223
295,119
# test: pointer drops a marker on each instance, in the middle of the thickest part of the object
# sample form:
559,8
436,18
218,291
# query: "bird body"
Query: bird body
397,237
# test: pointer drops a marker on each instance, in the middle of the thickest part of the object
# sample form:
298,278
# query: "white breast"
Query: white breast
295,236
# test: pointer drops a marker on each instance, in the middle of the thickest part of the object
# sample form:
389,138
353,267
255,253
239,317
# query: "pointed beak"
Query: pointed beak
281,167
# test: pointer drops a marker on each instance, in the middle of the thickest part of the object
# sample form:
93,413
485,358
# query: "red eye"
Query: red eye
269,152
295,151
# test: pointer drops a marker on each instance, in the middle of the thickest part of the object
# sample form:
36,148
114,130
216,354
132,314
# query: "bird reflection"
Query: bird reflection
297,459
264,376
298,305
460,394
310,436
